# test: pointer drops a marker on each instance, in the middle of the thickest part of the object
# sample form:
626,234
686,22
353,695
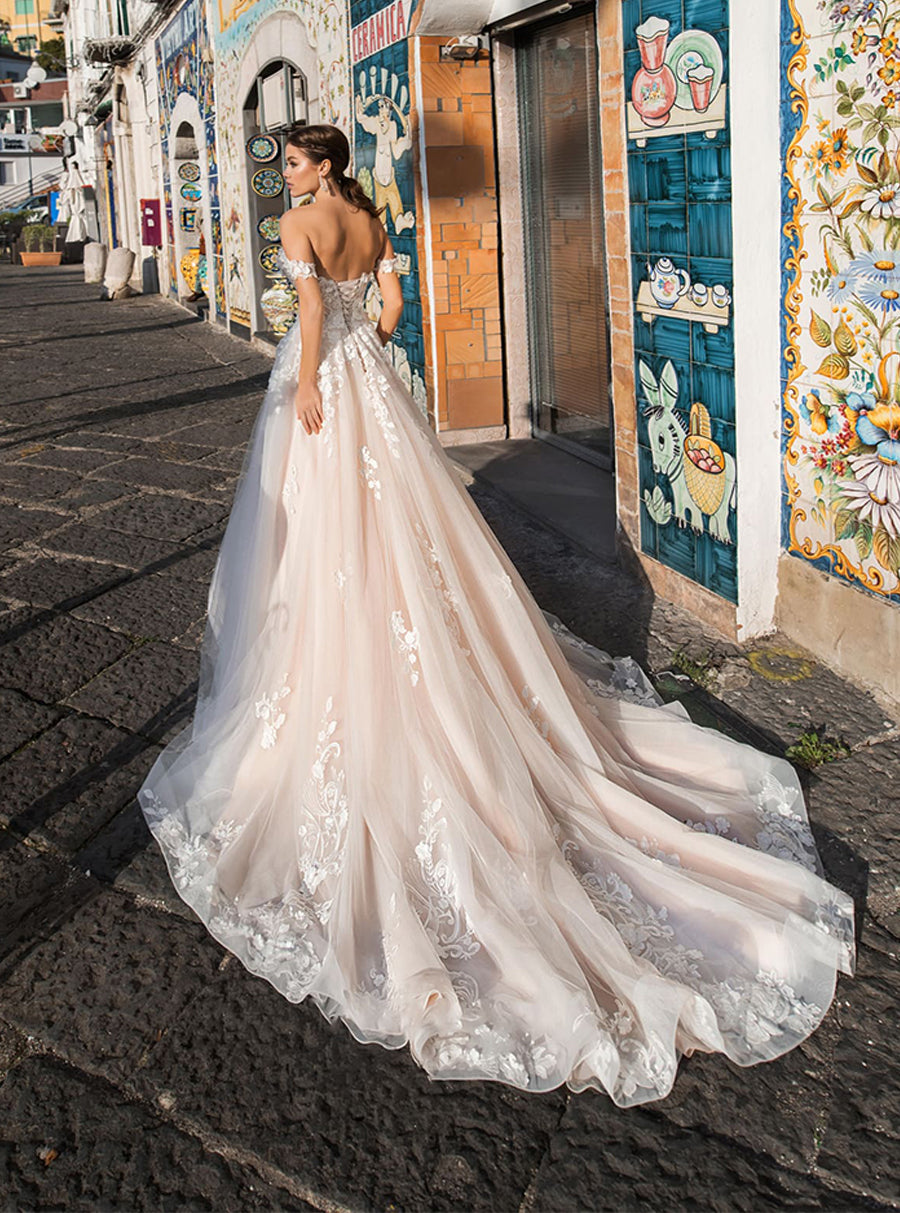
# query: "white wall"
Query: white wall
756,217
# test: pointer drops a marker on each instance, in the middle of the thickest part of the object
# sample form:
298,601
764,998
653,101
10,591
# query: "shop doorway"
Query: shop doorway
562,189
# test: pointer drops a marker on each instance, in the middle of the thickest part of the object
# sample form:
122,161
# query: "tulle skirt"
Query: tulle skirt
416,798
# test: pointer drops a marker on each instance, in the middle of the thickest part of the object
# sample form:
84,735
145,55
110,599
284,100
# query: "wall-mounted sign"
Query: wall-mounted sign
389,25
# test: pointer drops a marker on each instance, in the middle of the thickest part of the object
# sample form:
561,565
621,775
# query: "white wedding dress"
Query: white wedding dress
413,796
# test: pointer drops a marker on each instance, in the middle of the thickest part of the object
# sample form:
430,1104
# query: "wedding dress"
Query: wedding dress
416,798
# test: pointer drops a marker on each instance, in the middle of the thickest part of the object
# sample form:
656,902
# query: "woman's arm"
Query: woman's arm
297,246
391,294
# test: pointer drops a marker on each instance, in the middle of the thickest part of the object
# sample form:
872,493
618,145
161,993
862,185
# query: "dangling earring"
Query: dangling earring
323,181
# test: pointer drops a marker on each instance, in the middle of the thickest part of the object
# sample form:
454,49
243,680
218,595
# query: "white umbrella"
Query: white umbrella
72,199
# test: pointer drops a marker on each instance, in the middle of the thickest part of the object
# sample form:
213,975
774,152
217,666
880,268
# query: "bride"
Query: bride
416,798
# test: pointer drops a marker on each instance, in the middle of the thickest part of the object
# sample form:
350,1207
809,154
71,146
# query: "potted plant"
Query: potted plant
39,239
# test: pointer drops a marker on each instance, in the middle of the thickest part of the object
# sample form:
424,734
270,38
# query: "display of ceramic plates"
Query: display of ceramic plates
694,48
189,172
188,220
268,258
191,192
268,182
268,227
262,148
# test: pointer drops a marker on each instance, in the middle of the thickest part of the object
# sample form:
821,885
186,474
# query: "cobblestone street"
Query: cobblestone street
141,1066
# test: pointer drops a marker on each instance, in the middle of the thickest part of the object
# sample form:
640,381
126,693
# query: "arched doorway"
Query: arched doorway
189,175
277,98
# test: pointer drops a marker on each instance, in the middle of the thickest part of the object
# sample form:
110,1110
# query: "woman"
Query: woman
411,795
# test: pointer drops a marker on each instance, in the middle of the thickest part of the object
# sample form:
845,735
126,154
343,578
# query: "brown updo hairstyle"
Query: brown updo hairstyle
326,142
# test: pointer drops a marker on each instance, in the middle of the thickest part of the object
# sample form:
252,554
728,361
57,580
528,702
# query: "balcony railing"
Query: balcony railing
101,51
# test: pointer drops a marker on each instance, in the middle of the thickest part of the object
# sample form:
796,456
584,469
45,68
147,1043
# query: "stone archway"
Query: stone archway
190,190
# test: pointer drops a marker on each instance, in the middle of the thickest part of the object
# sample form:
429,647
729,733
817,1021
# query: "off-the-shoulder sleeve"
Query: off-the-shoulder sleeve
296,269
387,265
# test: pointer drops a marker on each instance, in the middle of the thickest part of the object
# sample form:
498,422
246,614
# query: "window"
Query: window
26,44
24,8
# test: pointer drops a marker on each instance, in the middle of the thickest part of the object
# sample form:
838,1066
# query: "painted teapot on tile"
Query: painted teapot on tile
667,284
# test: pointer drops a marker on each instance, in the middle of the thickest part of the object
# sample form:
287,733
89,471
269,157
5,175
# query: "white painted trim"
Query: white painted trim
754,82
426,219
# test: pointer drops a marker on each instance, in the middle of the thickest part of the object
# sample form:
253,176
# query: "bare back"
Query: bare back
346,243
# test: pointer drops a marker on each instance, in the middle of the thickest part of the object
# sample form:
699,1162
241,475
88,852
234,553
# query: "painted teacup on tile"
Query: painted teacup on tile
721,296
667,284
699,294
700,79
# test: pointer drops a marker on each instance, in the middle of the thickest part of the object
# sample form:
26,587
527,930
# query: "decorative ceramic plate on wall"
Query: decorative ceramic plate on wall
191,192
262,148
267,182
189,172
268,259
694,48
268,227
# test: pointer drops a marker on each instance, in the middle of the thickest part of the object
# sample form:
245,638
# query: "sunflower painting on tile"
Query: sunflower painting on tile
841,119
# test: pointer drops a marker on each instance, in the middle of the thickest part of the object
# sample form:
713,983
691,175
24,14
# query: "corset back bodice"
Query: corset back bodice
343,300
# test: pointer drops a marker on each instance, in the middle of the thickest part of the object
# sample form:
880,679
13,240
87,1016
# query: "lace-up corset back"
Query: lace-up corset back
343,299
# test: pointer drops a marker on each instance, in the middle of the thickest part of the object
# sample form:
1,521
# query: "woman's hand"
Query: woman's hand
308,404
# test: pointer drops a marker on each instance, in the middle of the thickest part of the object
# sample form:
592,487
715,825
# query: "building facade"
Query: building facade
657,234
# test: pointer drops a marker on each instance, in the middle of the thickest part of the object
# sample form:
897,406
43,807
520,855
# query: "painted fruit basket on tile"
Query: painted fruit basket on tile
704,462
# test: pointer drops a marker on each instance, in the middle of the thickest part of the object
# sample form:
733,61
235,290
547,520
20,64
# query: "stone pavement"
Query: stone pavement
141,1067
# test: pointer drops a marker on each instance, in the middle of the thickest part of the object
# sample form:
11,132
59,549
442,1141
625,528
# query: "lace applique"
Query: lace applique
291,488
445,921
449,598
367,468
342,576
751,1011
505,583
379,387
271,715
784,832
295,269
651,848
533,703
324,829
407,644
387,265
329,378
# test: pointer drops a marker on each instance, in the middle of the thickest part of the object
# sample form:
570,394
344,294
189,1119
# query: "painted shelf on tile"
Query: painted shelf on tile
710,315
681,121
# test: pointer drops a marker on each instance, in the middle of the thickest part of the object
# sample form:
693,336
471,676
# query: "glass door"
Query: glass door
562,183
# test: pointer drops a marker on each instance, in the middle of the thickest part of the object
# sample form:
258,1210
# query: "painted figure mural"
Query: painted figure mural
383,160
679,174
842,289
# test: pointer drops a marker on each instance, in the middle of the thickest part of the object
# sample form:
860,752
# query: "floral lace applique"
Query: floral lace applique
368,465
406,641
751,1011
323,830
538,719
505,583
291,488
444,920
342,575
268,711
449,597
379,387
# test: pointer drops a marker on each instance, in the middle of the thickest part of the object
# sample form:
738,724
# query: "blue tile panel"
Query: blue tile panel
680,200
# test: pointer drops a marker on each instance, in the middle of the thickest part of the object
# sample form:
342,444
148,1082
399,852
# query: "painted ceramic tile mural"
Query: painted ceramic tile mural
679,172
237,22
184,65
841,132
383,159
